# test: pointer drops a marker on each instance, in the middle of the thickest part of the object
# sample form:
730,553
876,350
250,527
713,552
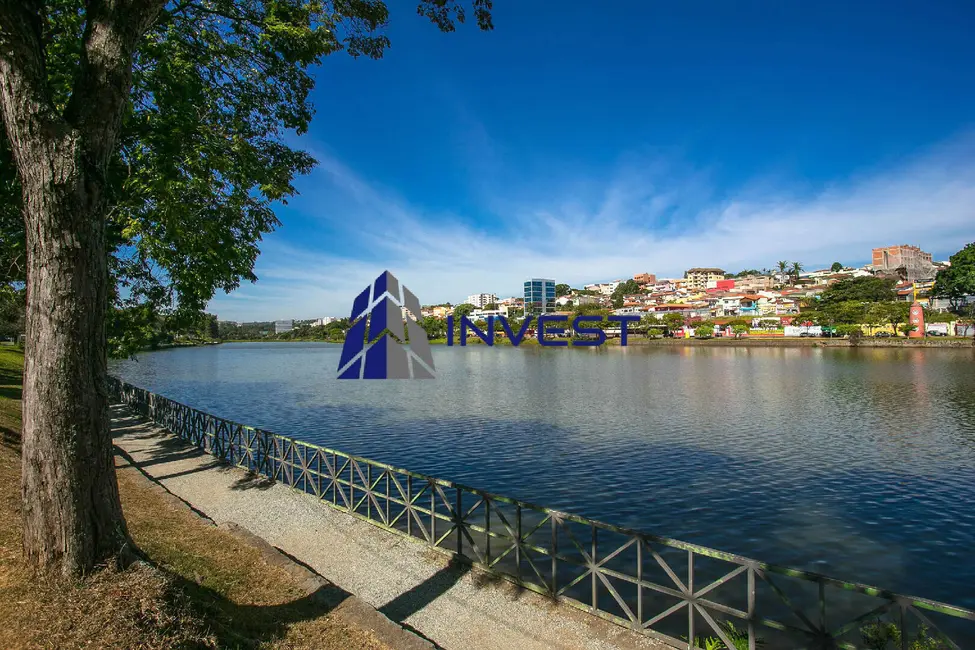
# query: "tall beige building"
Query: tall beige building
698,278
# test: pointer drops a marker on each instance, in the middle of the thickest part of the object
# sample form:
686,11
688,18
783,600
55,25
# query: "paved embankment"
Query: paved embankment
453,607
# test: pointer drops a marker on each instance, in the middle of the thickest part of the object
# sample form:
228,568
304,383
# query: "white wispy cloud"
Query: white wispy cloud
646,218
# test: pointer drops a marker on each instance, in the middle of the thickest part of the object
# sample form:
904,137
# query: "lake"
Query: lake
858,463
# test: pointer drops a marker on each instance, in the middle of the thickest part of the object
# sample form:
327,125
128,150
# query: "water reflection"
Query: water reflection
856,462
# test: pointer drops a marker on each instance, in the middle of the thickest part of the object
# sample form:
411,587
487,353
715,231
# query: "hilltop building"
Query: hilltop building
605,288
481,300
753,283
436,311
697,279
910,262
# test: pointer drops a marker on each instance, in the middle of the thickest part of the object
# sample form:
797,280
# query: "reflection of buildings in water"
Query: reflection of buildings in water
921,395
804,352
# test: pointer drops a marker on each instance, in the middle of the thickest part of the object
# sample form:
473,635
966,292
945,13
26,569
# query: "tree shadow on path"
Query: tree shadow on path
413,600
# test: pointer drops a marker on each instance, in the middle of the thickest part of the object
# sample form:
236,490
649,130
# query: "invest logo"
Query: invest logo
374,345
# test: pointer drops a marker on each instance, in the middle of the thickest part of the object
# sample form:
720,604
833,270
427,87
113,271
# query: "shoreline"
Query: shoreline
637,340
865,342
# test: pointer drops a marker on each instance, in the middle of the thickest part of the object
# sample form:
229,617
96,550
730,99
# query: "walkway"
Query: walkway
454,607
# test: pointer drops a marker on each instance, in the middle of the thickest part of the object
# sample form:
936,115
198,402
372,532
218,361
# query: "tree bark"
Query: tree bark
72,515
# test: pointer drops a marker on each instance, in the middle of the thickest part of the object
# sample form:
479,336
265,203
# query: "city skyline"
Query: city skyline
728,138
660,278
714,282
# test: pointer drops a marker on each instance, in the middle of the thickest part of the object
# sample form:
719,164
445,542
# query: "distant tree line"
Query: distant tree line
140,327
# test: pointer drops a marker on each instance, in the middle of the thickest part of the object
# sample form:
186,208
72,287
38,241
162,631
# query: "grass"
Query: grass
11,372
202,587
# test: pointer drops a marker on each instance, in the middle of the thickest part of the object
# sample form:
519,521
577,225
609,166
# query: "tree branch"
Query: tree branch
24,97
242,17
113,30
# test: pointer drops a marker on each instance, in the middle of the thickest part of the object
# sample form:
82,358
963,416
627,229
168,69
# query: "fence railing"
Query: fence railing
664,588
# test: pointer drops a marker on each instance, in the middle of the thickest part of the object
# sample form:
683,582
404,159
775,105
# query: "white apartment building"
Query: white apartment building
481,300
578,299
605,288
321,322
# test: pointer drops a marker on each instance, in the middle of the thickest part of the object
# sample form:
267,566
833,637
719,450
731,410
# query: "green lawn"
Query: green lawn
11,373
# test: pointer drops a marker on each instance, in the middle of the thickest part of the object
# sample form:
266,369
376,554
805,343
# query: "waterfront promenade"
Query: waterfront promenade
451,607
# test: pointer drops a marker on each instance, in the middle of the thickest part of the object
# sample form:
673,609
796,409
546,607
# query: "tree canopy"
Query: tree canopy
627,288
562,289
868,289
674,320
462,310
704,330
201,156
958,280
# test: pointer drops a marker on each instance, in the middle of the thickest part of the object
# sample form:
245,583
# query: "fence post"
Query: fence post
751,608
555,551
518,540
690,606
433,513
487,530
595,581
639,585
458,522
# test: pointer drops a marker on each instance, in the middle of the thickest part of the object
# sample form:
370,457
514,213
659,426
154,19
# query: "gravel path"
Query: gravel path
453,607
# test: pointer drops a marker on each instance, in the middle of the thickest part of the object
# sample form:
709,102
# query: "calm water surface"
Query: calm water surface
859,463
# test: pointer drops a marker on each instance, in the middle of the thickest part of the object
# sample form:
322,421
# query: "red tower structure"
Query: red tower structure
916,319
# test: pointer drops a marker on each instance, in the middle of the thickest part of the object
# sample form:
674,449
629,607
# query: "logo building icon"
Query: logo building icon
382,355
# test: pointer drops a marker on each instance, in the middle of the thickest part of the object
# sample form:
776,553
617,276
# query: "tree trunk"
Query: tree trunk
72,515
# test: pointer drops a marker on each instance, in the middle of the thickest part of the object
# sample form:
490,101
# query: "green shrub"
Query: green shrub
881,635
738,637
849,330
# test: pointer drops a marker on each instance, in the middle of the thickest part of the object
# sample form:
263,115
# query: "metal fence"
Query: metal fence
664,588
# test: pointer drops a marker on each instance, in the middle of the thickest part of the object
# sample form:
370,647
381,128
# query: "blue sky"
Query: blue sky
589,144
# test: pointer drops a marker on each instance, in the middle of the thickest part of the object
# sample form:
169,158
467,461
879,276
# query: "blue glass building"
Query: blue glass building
539,296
